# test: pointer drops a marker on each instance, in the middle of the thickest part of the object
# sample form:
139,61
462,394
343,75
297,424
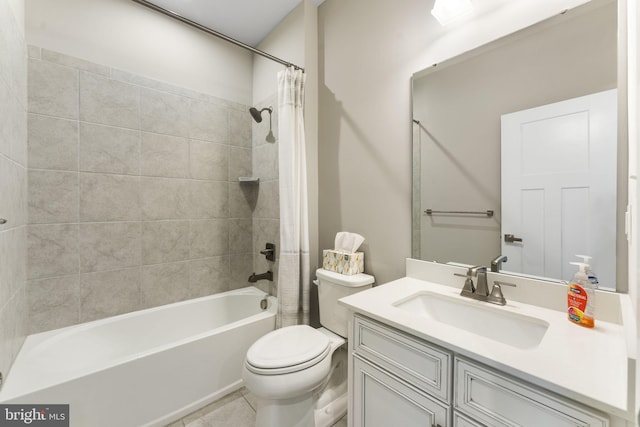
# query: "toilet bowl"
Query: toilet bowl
298,374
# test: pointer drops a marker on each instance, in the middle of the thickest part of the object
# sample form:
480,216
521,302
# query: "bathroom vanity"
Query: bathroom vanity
422,355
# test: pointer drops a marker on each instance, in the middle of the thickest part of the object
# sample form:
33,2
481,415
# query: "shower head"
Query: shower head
257,114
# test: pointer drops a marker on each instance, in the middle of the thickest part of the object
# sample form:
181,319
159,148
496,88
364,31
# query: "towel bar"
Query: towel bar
488,213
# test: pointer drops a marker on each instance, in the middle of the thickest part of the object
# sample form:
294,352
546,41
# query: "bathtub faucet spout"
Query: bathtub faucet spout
264,276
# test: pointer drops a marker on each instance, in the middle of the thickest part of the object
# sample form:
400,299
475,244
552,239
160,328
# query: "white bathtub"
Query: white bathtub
145,368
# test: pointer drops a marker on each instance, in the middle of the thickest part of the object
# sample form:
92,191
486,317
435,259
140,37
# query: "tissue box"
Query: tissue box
348,263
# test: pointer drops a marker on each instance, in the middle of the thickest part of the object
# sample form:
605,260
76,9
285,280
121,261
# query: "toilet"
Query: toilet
298,374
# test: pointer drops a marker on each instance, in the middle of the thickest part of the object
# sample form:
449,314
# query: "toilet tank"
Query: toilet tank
331,287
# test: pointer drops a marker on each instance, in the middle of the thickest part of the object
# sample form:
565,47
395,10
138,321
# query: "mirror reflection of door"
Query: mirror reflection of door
561,201
459,104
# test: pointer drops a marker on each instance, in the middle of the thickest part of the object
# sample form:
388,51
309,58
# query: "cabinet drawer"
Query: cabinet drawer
426,366
382,400
460,420
497,400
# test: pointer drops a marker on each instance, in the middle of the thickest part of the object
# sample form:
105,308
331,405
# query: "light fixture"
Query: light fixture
446,11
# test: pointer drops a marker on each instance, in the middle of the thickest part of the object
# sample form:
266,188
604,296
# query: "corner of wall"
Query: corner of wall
13,179
311,123
633,105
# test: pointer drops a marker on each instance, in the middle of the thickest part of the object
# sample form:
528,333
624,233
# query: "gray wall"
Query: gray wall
368,51
364,151
146,43
133,194
13,184
196,61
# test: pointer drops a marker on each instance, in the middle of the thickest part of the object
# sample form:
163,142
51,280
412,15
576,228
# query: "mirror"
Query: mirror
459,109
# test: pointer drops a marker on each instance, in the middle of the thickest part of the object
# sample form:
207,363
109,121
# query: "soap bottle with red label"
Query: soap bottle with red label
581,298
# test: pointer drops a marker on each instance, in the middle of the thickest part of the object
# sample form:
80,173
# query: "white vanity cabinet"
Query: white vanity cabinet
495,399
460,420
398,380
401,380
384,400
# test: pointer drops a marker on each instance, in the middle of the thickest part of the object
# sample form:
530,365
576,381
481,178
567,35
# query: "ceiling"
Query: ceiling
248,21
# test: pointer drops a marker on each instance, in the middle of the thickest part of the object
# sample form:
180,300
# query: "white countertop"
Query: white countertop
591,366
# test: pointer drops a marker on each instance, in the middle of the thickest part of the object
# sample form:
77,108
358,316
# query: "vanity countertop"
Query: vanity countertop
591,366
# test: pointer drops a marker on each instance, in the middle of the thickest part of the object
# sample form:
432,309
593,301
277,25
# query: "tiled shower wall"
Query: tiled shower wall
133,197
13,186
266,216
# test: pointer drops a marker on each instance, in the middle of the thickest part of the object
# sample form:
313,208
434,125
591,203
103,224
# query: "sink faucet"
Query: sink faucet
480,272
497,263
480,291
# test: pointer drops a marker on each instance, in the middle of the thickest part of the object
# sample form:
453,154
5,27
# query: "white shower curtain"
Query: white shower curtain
293,274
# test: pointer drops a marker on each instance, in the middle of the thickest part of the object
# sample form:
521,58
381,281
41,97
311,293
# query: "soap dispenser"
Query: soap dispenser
586,259
581,298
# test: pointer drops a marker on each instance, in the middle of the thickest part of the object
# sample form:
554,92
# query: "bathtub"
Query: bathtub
146,368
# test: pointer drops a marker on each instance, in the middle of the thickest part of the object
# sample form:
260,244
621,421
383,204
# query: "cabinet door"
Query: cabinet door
382,400
497,400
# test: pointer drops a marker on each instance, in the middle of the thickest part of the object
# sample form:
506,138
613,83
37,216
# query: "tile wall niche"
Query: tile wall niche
133,197
13,186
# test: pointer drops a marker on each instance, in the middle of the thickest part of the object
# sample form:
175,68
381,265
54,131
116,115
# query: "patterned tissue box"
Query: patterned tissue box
343,262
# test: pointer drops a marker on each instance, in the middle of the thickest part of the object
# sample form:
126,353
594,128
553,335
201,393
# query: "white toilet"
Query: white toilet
299,374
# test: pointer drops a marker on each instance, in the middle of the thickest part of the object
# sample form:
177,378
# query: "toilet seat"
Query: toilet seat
287,350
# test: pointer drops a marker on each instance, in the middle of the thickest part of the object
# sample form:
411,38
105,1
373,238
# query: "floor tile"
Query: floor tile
231,411
234,410
249,397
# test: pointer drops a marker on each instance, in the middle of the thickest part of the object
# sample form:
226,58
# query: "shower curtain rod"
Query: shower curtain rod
215,33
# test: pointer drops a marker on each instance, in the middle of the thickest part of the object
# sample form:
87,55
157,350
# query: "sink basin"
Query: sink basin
517,330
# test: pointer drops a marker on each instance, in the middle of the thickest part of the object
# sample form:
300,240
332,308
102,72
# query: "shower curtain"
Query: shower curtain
293,274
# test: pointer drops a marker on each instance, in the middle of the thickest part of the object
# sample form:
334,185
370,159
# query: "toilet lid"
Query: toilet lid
288,347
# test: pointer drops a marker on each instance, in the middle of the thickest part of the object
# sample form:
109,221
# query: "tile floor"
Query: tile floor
234,410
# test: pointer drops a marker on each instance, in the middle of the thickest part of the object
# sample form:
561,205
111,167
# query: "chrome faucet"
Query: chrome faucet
480,291
497,263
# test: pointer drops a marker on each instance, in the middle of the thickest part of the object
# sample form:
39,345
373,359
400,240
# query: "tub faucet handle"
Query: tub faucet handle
269,252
